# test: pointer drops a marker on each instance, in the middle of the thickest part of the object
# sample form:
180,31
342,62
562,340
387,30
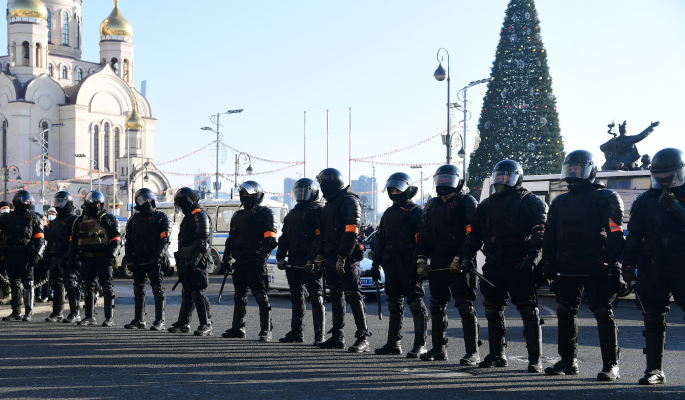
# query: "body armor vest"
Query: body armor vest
92,232
505,228
245,232
60,232
665,234
580,229
145,234
300,232
445,227
397,229
335,222
19,232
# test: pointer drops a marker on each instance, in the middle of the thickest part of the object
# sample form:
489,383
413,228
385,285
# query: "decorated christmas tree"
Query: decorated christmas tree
519,119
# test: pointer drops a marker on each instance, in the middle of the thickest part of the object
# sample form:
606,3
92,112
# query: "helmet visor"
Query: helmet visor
509,178
26,198
398,184
669,179
60,202
144,198
247,188
302,193
576,170
446,180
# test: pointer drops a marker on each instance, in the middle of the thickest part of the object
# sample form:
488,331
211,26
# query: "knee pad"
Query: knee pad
564,312
157,290
316,301
353,296
240,299
494,313
108,289
262,300
139,290
603,314
417,307
27,283
437,309
655,322
185,294
466,311
395,308
529,313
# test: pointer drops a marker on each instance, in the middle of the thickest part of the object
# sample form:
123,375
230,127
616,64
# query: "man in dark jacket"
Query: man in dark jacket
656,244
339,252
147,241
298,242
397,233
250,242
584,236
446,221
509,226
192,259
96,240
23,243
62,276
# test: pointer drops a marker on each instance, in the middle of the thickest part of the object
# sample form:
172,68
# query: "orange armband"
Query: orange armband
38,236
318,232
269,234
615,227
163,235
351,228
468,228
116,238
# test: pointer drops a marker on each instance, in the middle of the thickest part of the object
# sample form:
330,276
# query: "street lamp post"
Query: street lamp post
440,74
237,168
462,152
215,120
40,140
91,166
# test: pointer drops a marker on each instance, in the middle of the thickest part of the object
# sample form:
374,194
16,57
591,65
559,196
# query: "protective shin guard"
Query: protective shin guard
359,312
16,307
393,346
655,335
185,314
532,332
338,311
205,328
297,319
319,319
471,328
439,327
29,297
608,343
265,324
568,333
497,333
420,317
109,310
160,308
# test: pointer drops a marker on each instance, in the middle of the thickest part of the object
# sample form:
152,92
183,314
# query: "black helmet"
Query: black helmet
251,193
331,181
579,165
403,183
145,200
63,202
668,169
448,179
306,189
94,203
186,199
23,201
506,175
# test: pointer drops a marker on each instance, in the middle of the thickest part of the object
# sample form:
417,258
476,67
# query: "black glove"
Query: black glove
527,265
228,267
376,274
666,199
550,271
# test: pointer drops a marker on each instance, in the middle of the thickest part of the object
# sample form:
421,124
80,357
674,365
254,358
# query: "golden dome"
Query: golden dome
134,121
28,8
115,25
116,203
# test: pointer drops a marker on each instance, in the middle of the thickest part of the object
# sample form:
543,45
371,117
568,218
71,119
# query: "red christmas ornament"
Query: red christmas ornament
524,28
494,106
521,105
536,27
545,106
536,107
507,106
555,108
486,109
511,27
501,31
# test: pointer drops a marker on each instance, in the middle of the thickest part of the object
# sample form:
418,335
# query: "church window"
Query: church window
50,71
65,29
107,145
38,55
126,76
64,72
49,26
96,146
115,66
26,54
44,126
116,143
79,74
77,21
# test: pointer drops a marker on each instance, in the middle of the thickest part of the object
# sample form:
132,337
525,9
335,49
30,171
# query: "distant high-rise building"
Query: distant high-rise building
288,184
363,185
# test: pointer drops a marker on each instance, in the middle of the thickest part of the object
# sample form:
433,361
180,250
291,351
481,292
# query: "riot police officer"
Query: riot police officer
23,244
147,240
96,240
657,242
509,225
298,242
397,232
339,252
446,221
4,282
584,236
192,259
62,276
252,238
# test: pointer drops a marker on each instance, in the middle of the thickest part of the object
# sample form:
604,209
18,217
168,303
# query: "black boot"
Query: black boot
57,305
109,310
655,335
419,314
185,314
358,307
319,318
532,331
74,306
608,343
29,297
15,316
337,341
296,334
393,346
568,343
497,332
88,305
139,314
205,328
439,327
237,330
469,323
160,307
265,324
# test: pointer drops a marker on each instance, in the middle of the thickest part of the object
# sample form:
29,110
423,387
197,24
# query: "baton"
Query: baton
221,291
563,275
633,284
378,298
177,282
292,266
473,270
323,282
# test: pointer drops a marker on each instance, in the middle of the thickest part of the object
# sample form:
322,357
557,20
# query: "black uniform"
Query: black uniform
445,224
251,240
23,245
584,236
509,227
147,240
397,236
341,219
95,243
62,276
298,242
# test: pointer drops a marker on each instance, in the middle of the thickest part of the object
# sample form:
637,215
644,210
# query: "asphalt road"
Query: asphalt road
42,360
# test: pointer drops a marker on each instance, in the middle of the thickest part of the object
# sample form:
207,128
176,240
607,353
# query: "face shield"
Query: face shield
398,184
446,180
247,188
501,180
576,170
305,193
26,198
144,198
60,202
669,179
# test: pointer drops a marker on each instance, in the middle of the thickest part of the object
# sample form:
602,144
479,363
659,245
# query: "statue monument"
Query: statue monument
620,151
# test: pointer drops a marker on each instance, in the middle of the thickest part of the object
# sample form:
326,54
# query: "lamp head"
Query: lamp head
440,73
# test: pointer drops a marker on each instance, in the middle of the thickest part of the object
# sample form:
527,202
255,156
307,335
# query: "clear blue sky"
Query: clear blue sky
609,59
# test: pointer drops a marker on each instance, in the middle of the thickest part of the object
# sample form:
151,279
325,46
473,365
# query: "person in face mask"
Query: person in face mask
253,237
147,241
4,282
52,214
509,226
397,232
584,236
93,250
5,207
446,221
62,276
